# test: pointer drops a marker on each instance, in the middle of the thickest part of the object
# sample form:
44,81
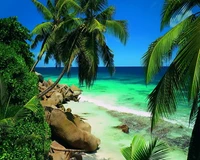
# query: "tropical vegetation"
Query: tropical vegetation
16,60
24,133
141,150
182,75
83,40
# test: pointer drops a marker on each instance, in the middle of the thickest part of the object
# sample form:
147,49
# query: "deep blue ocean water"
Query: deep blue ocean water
126,88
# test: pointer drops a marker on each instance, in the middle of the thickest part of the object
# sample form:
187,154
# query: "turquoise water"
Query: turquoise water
125,89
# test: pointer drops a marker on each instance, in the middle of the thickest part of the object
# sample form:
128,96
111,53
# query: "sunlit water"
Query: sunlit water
125,90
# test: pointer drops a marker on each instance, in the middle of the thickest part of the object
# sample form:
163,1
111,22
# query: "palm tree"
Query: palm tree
87,43
182,77
140,150
59,16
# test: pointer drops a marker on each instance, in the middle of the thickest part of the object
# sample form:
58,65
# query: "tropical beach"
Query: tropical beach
99,80
124,105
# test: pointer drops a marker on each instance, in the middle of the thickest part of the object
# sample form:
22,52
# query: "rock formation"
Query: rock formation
69,133
60,94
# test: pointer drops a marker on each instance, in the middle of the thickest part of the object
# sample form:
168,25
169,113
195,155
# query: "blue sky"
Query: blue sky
143,17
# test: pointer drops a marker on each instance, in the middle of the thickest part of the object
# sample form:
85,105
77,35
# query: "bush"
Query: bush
13,34
21,84
28,139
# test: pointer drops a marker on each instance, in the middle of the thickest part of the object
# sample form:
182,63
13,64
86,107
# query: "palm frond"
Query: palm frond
106,14
94,5
140,150
118,28
43,10
70,44
42,28
126,152
188,59
50,6
69,24
161,48
36,40
163,99
107,57
48,42
88,61
96,25
67,6
159,150
172,8
194,109
30,106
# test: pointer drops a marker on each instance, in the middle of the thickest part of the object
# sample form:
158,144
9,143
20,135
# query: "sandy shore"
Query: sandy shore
104,120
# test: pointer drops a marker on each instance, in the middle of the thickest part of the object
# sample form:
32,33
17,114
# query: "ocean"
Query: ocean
125,91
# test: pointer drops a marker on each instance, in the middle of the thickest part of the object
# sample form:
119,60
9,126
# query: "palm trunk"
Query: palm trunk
32,69
194,148
55,83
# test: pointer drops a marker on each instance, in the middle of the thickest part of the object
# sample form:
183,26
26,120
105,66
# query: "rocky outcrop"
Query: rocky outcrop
60,94
59,152
69,132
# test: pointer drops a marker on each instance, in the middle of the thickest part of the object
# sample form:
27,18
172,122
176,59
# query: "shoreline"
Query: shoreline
103,122
123,109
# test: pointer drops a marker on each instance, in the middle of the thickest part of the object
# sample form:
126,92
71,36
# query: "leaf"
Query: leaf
43,10
171,8
42,28
163,99
160,49
140,150
30,106
118,28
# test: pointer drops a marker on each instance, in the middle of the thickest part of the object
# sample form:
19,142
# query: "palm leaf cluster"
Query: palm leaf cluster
59,17
183,73
182,78
140,150
75,31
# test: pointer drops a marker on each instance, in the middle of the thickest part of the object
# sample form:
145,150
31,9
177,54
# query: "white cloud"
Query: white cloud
180,17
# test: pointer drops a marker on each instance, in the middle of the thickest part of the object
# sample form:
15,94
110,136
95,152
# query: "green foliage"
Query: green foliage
21,84
12,33
28,138
183,74
140,150
24,133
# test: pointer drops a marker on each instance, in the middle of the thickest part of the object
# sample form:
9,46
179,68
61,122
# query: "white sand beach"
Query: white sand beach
112,139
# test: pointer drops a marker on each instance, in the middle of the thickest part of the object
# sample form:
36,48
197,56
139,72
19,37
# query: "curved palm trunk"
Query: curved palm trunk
55,83
32,69
194,148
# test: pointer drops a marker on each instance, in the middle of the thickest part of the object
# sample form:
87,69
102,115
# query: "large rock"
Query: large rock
57,95
75,88
82,124
69,133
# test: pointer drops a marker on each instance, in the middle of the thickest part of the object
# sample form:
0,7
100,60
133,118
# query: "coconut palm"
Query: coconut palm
140,150
59,16
88,43
182,77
